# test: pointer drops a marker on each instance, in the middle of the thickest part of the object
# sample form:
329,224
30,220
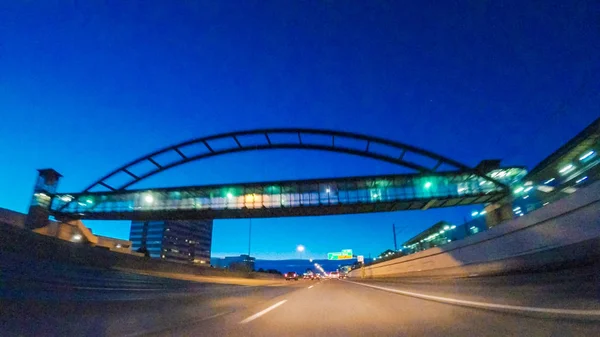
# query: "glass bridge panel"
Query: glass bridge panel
283,195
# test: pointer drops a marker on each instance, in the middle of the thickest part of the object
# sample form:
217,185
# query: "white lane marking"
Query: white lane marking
310,287
486,305
258,314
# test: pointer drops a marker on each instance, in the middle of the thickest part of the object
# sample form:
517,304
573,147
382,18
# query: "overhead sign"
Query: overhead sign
345,254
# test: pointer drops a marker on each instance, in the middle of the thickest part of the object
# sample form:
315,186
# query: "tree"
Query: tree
144,251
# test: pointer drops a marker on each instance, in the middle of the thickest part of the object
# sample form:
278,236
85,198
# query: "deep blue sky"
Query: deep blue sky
88,85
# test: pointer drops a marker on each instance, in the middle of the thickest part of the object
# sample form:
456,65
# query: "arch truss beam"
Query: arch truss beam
381,149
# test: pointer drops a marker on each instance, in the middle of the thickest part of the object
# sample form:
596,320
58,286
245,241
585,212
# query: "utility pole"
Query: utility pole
249,235
395,243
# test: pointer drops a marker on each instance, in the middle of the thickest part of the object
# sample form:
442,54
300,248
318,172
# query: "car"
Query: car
307,276
291,276
315,277
334,274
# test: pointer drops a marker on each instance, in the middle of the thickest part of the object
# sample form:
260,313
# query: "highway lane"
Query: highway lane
339,308
24,279
48,299
127,316
43,298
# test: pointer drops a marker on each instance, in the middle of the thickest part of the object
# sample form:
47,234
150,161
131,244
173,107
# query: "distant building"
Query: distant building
437,235
574,165
387,252
300,266
243,262
74,231
12,218
173,240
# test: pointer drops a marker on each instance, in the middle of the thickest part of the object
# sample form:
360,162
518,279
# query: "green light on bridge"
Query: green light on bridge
382,183
376,194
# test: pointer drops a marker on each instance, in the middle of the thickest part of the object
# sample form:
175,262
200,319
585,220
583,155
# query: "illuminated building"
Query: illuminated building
174,240
436,235
243,262
574,165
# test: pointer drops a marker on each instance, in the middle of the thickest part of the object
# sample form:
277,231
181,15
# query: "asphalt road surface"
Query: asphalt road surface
46,299
302,308
339,308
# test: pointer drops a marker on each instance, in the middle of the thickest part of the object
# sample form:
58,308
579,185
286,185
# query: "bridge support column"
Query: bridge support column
499,212
43,191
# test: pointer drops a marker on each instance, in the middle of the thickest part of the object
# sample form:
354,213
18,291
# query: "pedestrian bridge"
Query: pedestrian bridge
436,181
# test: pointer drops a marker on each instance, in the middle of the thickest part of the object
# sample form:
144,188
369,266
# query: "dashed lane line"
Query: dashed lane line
258,314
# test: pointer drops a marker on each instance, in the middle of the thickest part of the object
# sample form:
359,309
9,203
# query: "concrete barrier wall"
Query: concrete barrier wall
36,246
565,231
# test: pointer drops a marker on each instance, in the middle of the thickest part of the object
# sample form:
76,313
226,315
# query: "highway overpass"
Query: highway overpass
290,198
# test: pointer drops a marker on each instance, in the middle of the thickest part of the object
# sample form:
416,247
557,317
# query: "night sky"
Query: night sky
86,86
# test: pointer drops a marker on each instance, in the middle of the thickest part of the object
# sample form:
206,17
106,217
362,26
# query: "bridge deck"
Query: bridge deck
286,198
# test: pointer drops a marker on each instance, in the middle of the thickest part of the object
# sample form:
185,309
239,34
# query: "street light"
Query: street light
300,248
149,198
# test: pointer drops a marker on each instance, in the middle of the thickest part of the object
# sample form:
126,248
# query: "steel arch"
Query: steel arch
269,144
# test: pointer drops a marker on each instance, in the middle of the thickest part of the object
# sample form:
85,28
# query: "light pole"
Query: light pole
300,249
249,236
395,243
